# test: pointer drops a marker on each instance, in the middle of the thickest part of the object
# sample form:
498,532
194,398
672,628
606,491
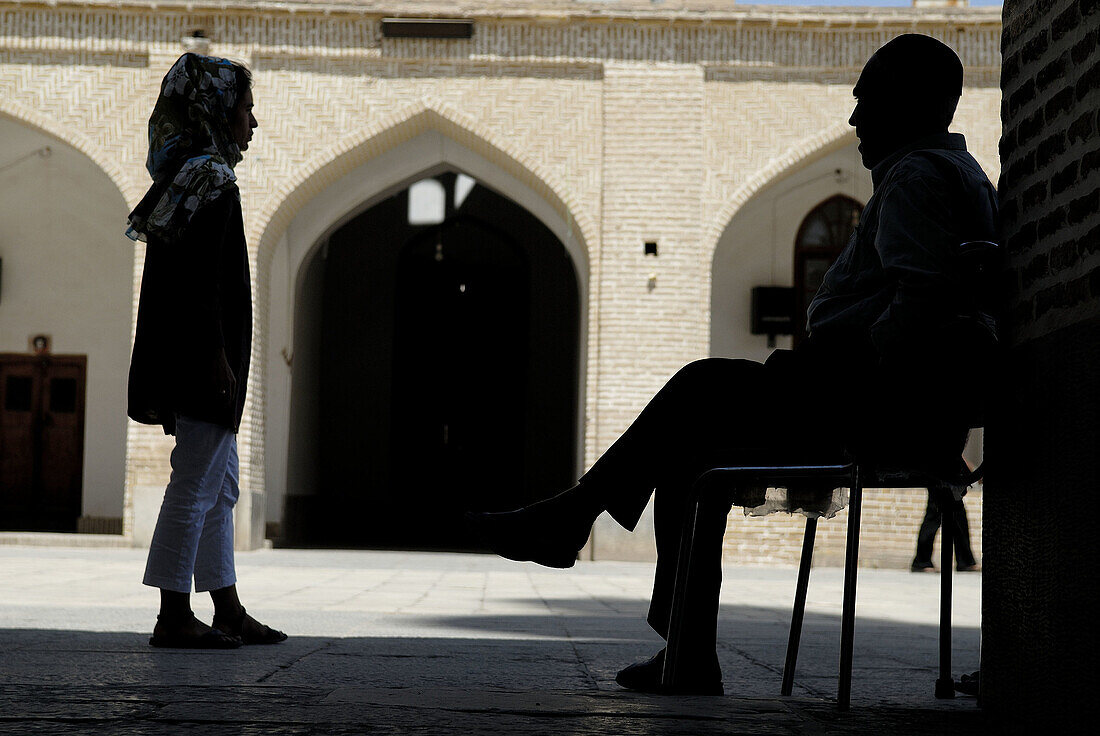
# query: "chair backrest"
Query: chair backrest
977,264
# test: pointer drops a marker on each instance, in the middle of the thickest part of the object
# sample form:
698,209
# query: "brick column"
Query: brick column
1040,536
653,315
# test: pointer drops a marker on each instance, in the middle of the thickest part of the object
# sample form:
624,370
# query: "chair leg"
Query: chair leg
945,684
799,605
848,615
674,642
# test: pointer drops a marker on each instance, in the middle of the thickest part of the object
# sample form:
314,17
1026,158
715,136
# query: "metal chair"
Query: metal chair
976,266
715,484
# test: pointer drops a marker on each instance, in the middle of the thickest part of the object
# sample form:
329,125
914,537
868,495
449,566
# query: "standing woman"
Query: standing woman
193,342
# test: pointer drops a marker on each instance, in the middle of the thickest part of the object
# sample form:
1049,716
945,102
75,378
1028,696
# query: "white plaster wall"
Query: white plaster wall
280,345
369,183
67,272
757,248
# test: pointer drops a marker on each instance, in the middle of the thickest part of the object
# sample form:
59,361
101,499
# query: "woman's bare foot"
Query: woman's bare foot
190,633
248,629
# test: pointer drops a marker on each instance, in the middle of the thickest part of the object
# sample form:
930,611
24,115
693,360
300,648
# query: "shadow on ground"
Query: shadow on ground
511,674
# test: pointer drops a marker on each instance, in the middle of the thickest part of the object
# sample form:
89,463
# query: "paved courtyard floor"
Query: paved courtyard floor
434,643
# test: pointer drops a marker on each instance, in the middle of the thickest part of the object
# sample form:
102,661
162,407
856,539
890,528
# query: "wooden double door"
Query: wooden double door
41,441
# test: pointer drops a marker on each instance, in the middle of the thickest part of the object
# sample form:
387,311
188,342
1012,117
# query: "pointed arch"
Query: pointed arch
822,235
797,156
426,115
755,247
360,170
61,230
52,127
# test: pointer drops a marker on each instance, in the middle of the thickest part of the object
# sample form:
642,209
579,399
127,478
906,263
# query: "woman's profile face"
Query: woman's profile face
242,121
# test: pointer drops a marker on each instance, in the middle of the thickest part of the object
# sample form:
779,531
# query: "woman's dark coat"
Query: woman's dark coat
195,304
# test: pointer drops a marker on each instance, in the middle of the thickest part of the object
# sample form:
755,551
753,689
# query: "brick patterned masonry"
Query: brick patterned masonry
631,128
1042,552
1051,165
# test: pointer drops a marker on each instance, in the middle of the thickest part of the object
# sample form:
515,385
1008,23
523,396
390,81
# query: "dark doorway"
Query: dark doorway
448,370
460,374
41,441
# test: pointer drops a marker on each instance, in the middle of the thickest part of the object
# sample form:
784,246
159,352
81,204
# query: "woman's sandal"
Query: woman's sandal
260,634
210,639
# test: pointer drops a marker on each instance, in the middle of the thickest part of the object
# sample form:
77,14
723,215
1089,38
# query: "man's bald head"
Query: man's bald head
912,65
908,89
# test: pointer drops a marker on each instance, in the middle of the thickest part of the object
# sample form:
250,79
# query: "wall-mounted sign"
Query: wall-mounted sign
772,311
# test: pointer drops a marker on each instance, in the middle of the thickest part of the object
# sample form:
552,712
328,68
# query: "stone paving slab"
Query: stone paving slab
431,643
252,709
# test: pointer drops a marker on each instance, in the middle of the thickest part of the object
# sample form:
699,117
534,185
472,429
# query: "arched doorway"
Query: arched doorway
65,320
821,237
445,340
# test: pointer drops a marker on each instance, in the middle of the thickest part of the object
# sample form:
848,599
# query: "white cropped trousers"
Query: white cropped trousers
194,533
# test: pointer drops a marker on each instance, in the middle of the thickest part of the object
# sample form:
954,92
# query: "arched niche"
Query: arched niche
68,273
757,247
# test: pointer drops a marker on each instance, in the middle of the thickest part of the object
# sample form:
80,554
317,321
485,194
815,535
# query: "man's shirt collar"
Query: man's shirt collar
940,141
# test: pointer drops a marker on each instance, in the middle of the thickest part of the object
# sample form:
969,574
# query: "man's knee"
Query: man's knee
230,495
712,372
702,369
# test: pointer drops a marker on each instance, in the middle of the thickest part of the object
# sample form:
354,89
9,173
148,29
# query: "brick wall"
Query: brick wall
1041,542
1050,164
887,539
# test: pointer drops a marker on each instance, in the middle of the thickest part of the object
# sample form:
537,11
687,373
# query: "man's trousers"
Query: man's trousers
713,412
964,556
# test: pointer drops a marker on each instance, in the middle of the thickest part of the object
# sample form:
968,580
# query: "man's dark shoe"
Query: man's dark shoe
550,532
969,684
922,567
698,679
974,567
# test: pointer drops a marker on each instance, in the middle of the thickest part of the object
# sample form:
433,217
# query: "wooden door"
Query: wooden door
41,441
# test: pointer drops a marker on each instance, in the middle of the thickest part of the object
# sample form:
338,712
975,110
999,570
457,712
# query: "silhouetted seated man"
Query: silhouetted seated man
890,333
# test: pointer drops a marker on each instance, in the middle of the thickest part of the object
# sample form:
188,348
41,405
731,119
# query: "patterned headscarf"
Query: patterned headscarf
191,148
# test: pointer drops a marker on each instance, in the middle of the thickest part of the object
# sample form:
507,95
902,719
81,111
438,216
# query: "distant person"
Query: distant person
189,368
960,539
892,334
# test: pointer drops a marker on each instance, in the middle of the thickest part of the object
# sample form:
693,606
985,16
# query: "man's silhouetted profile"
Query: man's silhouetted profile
891,331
